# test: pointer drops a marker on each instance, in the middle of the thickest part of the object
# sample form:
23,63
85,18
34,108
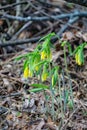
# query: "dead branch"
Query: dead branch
44,18
12,5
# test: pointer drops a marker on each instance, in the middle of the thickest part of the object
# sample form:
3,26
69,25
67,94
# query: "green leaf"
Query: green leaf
84,113
70,104
84,44
40,86
55,75
54,78
64,43
79,47
41,63
81,56
70,5
67,95
75,51
18,113
36,90
22,56
25,64
47,36
69,48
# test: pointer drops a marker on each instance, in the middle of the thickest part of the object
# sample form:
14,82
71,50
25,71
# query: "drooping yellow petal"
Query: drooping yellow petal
78,58
44,77
43,55
30,74
79,61
26,72
37,68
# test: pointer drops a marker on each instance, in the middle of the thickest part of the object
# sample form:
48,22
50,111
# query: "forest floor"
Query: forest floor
20,109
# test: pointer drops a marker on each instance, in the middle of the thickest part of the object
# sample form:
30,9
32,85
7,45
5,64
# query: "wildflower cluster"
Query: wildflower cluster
38,60
39,63
78,52
31,64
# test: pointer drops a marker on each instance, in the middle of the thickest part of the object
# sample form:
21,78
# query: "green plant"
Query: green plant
39,63
68,95
79,55
65,45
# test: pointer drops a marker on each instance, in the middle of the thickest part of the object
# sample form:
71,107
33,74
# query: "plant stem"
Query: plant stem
65,59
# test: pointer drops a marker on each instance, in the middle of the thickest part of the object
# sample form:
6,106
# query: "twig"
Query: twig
46,29
3,110
52,4
44,18
13,5
71,21
11,95
19,42
6,55
21,30
16,55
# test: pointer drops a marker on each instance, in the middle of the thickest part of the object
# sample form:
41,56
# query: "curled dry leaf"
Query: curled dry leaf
67,36
8,85
84,37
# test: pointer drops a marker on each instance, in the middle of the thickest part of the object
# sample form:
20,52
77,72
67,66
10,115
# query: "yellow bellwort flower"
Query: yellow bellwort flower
44,76
78,58
37,68
44,73
26,72
43,55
